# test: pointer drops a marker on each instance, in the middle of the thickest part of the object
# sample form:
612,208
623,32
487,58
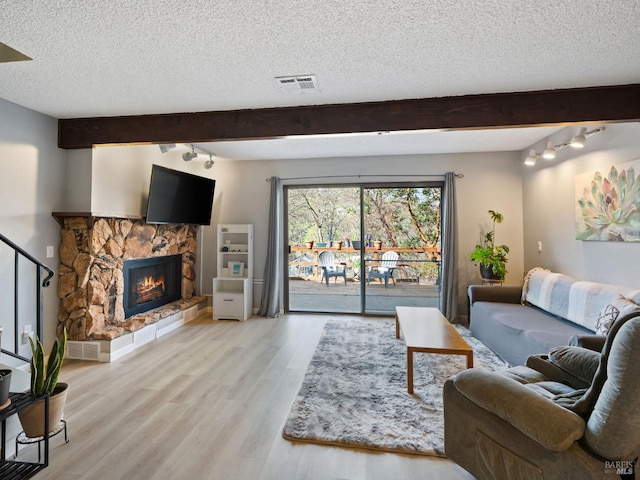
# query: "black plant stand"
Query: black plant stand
14,470
22,438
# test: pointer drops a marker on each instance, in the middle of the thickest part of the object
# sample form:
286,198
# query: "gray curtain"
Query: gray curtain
449,279
270,302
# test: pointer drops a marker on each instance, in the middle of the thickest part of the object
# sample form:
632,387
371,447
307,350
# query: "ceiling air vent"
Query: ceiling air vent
300,84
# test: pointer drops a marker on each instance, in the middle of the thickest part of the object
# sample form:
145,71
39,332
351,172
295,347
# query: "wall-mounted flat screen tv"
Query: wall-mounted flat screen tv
179,197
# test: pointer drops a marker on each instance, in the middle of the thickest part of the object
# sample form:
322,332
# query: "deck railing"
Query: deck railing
372,257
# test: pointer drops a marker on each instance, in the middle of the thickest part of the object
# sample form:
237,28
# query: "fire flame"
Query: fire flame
150,282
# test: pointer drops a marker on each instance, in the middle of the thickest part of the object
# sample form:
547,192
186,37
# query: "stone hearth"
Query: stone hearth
91,283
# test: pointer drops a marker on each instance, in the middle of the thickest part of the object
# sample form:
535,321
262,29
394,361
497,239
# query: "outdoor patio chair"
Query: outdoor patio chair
385,269
327,262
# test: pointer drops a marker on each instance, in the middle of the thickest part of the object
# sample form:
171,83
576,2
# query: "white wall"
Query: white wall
32,185
78,179
549,210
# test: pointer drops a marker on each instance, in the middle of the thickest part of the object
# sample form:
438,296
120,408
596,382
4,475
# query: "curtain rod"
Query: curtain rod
458,175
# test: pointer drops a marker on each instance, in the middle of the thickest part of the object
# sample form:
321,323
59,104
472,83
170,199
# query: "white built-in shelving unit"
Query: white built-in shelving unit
233,285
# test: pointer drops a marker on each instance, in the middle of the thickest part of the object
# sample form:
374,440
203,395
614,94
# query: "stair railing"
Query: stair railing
40,269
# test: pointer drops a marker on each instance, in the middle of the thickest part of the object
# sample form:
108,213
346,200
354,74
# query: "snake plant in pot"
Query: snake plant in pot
492,258
44,380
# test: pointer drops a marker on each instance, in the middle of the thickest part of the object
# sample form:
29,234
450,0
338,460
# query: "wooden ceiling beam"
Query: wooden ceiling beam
619,103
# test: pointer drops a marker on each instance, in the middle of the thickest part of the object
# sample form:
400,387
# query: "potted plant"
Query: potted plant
44,380
5,383
492,258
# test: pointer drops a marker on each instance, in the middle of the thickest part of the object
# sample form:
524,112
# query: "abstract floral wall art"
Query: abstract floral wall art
608,204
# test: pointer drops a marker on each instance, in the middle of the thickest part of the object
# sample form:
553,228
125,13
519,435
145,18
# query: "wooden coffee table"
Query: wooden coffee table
426,330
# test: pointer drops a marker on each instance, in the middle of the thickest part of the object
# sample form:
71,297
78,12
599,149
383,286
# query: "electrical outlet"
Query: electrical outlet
50,251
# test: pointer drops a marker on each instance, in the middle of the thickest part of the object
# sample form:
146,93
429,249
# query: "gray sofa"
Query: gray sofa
550,309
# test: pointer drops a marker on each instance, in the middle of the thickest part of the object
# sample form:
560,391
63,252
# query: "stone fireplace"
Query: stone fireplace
95,255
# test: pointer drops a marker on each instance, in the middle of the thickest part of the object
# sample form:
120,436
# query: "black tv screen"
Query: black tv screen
179,197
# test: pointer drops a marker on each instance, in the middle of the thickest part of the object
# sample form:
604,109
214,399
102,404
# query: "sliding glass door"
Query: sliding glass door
362,249
323,222
402,247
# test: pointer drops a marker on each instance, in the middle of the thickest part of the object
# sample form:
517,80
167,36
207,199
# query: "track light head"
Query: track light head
209,163
531,159
188,156
165,147
550,151
580,139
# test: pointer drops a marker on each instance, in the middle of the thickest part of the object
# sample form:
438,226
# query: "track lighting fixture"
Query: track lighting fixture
192,155
580,139
549,153
188,156
531,159
165,147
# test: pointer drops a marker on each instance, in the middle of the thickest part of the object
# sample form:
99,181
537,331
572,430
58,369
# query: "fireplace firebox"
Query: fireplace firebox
151,282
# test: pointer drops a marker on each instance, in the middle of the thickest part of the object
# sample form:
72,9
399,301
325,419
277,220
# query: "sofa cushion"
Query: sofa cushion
516,331
579,362
554,427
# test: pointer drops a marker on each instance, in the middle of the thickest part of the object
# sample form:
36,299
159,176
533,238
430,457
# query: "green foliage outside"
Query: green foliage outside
404,217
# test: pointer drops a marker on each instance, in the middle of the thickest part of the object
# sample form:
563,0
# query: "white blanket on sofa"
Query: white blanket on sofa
580,302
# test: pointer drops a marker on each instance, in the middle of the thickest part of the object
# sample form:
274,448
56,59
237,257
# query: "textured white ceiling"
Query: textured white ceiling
117,57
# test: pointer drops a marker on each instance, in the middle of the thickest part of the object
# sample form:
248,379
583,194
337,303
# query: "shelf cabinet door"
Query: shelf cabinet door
228,305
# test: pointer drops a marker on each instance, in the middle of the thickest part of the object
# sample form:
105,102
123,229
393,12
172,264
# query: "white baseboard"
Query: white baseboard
106,351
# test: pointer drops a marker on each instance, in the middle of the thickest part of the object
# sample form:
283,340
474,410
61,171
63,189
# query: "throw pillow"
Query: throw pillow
605,319
580,362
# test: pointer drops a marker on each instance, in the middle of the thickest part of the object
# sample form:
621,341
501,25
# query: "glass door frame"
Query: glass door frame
361,186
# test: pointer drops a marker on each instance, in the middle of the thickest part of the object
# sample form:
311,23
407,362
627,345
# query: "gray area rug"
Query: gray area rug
354,393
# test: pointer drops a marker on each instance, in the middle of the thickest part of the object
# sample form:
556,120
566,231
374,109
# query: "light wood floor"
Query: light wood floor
208,401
